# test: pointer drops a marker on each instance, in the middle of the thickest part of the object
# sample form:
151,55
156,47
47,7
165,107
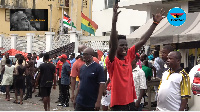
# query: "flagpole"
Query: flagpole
81,12
71,14
90,13
82,6
62,18
90,10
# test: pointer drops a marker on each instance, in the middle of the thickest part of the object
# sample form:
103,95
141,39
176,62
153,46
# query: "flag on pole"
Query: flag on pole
67,21
88,25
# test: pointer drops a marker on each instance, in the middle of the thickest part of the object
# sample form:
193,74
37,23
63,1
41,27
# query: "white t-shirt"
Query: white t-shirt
171,92
139,81
39,62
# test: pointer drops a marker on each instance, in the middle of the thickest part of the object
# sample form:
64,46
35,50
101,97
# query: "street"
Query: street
32,104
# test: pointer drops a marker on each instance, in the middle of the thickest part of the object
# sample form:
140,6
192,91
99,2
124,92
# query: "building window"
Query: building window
85,2
2,2
7,14
109,3
193,6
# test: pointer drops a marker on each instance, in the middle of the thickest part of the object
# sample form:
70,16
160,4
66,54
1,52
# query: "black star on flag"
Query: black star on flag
89,24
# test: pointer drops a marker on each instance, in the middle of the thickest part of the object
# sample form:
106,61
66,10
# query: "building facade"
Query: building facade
32,4
71,9
128,19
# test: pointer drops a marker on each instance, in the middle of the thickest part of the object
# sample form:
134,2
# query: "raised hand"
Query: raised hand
158,17
115,13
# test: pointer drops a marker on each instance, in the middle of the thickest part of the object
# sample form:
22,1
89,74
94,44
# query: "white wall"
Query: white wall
127,18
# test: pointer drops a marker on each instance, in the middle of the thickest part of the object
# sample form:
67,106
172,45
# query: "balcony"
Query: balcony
63,3
13,4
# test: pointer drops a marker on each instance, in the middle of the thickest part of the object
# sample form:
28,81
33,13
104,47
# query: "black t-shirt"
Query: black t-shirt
47,71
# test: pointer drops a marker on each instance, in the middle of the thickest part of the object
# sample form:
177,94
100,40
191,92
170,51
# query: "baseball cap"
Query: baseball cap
63,56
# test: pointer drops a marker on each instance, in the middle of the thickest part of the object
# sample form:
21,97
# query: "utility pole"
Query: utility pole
71,14
51,16
90,13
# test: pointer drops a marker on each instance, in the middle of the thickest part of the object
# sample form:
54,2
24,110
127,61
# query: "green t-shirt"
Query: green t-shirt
147,71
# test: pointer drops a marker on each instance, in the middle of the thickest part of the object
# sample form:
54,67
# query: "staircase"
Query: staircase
66,49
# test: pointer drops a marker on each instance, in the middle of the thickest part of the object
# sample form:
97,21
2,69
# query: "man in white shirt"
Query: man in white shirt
40,61
174,90
159,65
140,85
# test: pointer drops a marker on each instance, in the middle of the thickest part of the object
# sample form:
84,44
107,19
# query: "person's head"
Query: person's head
8,61
88,55
73,55
156,54
81,48
63,58
7,55
29,56
34,55
46,57
19,22
41,55
17,56
157,47
165,51
143,57
122,46
133,63
174,59
22,57
137,56
20,61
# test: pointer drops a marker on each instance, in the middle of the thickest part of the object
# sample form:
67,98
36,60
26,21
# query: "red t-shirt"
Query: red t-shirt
120,73
59,66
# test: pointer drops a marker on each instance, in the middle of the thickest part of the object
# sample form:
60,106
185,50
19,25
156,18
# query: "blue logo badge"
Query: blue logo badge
176,16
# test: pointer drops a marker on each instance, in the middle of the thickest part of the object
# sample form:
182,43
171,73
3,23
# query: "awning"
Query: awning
165,33
13,52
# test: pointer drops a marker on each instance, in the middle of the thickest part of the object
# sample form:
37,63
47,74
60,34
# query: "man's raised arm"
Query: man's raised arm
113,36
156,18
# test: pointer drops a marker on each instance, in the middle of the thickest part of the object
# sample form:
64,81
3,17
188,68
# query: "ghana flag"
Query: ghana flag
88,25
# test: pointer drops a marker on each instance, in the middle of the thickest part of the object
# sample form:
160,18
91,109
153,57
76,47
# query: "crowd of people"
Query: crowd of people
117,80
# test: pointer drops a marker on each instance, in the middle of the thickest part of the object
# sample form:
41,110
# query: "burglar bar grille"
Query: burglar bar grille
193,6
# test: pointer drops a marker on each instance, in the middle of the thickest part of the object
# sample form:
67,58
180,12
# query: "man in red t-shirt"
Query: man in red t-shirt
119,65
